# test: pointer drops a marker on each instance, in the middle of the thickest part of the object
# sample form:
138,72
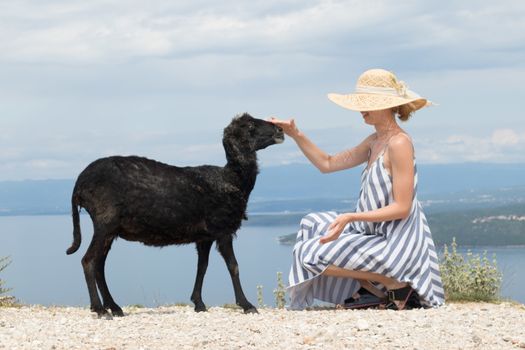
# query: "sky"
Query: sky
80,80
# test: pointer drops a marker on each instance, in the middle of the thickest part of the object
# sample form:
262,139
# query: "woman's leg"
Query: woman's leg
388,282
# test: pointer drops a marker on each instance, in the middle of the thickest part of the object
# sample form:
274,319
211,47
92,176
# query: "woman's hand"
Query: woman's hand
288,126
337,226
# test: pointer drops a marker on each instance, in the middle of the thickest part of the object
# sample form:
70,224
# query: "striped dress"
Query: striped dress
402,249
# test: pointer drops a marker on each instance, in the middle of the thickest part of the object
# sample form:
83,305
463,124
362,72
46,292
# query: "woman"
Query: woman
384,248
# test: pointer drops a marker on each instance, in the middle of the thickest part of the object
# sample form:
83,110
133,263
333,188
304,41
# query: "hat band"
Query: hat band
402,92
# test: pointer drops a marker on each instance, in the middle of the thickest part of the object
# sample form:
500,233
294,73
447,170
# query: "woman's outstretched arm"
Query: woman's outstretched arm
325,162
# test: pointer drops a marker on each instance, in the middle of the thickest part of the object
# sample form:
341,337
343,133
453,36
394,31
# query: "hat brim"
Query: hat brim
373,102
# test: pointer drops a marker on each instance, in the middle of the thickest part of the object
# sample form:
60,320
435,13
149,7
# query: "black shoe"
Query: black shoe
365,301
403,295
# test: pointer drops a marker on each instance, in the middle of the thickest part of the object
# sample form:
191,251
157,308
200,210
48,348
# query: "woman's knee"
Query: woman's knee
320,217
309,219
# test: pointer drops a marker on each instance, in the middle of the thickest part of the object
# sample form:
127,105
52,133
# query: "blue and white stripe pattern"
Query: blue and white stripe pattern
402,249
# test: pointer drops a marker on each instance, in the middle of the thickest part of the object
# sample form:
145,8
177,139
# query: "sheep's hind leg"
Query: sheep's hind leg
89,264
109,303
203,250
226,249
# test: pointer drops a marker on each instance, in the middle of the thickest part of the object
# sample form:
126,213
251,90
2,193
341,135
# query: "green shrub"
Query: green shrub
5,300
136,306
470,278
260,299
280,292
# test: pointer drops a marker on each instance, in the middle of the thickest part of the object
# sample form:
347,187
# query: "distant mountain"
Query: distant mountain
481,227
35,197
479,204
302,188
499,226
305,181
432,203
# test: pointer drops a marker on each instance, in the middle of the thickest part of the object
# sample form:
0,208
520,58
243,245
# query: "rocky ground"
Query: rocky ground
454,326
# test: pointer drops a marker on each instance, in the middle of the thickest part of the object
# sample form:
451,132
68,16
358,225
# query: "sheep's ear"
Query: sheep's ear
243,116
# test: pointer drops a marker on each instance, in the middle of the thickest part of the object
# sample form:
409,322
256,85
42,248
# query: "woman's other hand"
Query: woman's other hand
336,228
288,126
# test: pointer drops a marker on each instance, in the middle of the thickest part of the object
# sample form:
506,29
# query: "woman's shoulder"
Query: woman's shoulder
401,137
400,143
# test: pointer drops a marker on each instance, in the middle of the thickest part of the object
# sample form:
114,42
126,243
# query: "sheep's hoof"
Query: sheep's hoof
251,310
200,308
117,312
102,313
99,310
106,316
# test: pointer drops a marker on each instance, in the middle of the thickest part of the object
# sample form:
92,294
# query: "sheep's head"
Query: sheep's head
246,134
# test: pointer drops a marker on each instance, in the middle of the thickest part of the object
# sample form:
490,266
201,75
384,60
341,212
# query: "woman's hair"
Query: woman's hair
403,112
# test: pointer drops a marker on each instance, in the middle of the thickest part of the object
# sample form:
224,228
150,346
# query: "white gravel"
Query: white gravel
454,326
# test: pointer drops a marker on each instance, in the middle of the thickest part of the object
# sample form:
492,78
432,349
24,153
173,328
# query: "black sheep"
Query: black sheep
139,199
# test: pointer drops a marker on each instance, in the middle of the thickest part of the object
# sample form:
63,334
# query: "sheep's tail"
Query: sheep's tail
76,225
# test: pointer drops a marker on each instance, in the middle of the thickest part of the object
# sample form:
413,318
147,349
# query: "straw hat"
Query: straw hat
378,89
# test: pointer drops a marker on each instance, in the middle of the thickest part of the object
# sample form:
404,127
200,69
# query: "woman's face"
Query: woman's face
377,117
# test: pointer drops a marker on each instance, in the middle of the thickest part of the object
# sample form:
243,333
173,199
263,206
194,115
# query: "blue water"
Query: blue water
41,272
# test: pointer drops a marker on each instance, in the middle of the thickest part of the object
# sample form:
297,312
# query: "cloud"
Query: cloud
114,31
498,146
505,137
84,79
48,155
501,146
45,164
65,157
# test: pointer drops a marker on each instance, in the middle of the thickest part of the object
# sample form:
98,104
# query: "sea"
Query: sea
40,272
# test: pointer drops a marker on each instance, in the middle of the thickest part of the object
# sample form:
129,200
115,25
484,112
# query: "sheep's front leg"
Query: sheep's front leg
226,249
203,250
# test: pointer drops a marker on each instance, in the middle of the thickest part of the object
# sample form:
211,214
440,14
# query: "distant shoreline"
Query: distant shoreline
467,226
